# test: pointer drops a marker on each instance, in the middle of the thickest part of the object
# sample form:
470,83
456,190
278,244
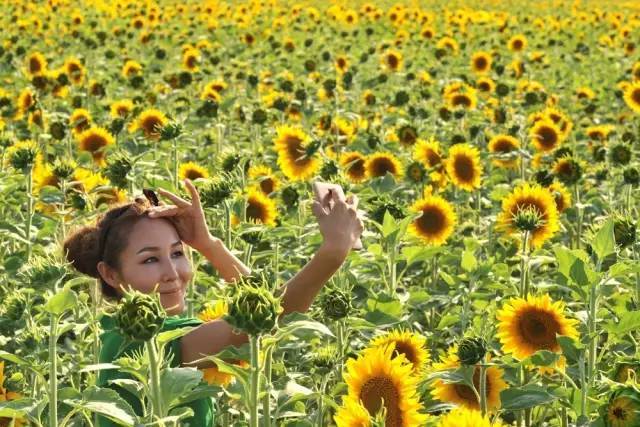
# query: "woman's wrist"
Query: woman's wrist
333,253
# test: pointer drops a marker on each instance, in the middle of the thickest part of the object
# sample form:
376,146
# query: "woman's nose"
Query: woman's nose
170,272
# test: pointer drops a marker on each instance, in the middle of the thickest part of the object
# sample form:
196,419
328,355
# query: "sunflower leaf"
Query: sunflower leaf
517,398
604,242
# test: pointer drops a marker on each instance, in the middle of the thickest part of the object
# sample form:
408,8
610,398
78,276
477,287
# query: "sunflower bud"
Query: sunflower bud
139,316
329,170
43,272
631,176
528,219
290,197
118,168
170,131
14,308
624,231
416,172
324,358
230,162
471,350
58,131
215,192
22,155
622,408
335,304
63,169
252,308
620,154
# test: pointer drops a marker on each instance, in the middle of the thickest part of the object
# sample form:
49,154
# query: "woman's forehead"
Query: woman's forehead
157,232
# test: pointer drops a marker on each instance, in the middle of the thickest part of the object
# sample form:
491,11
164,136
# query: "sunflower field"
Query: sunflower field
495,150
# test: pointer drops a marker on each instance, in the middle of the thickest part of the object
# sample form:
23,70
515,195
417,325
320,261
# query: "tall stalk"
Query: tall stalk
266,399
154,378
53,371
483,387
29,210
524,267
254,343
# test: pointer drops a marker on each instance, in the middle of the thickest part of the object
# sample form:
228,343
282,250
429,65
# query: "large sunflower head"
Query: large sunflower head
546,136
632,96
428,153
437,221
121,109
376,378
517,43
409,344
481,62
378,164
260,208
192,171
353,164
36,64
623,408
526,326
505,148
537,199
462,394
267,180
95,140
294,157
464,166
150,121
352,414
79,120
74,69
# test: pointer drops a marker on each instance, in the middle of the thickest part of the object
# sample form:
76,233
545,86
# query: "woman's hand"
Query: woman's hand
188,218
340,225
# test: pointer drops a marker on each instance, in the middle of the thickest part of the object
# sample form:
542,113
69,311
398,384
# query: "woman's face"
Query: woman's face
155,255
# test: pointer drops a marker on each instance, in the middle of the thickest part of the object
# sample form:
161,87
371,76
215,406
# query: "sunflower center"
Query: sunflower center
547,137
619,413
433,158
356,167
463,167
34,65
193,174
379,389
266,185
93,143
255,212
406,349
538,329
504,146
517,44
432,221
151,125
635,96
461,99
392,61
383,165
295,150
481,63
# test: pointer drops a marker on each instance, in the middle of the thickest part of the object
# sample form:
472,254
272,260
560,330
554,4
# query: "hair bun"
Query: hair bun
81,250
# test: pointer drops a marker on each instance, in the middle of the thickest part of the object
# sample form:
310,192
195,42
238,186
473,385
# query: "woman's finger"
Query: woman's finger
353,201
318,210
175,199
195,197
167,211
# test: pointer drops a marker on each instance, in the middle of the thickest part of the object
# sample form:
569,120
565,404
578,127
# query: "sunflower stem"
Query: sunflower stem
580,216
254,342
483,387
154,378
53,371
434,271
266,398
174,143
227,223
524,279
29,210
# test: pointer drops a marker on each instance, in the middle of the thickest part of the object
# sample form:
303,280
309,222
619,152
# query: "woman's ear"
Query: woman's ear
110,275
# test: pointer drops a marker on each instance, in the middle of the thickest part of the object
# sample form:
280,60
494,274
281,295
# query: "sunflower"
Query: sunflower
354,166
267,181
391,60
567,169
214,311
505,148
79,120
26,100
131,68
95,140
585,93
296,163
36,64
409,344
121,109
632,96
534,197
111,196
464,167
464,417
481,62
375,378
352,414
150,121
74,69
191,60
260,208
428,153
192,171
599,133
378,164
343,129
460,96
517,43
623,408
462,394
561,195
437,221
485,85
213,376
527,326
546,136
341,64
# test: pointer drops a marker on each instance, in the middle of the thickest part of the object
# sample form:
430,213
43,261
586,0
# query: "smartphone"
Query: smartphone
321,189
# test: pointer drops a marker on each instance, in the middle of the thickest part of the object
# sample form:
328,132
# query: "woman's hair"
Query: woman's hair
104,241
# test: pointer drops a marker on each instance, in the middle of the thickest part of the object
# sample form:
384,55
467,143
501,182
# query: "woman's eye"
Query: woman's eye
145,261
180,253
177,253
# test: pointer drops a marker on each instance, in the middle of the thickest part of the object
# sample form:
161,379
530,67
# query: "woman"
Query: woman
142,245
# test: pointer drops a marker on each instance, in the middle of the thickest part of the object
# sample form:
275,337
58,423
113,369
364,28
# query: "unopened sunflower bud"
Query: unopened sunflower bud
335,304
324,358
63,169
170,131
117,169
624,231
631,176
215,191
252,308
140,316
22,155
528,219
471,350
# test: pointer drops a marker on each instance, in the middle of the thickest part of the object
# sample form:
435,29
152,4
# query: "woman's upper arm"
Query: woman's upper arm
209,339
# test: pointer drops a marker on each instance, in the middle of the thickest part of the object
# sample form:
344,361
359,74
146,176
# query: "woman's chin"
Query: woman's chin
173,303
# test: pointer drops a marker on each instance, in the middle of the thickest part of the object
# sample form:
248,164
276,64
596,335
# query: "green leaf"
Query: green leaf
388,224
570,348
629,321
64,300
543,358
468,261
166,336
517,398
383,311
299,325
177,382
106,402
604,242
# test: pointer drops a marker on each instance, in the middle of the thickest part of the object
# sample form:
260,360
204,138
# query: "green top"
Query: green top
111,350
